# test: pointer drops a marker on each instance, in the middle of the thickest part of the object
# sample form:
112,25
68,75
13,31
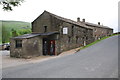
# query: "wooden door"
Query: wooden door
52,47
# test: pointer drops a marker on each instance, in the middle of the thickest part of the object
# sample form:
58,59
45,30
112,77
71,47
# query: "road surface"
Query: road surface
97,61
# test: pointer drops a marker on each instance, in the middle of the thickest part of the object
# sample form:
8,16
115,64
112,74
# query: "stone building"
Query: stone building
52,34
99,31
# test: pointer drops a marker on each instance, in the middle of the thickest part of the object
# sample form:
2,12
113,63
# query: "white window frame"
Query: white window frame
65,30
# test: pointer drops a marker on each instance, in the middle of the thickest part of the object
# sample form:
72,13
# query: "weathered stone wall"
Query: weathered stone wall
33,47
45,20
57,47
89,36
15,52
76,36
110,31
39,23
100,32
30,47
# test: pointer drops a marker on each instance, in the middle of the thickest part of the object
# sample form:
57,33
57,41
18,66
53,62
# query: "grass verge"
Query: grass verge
96,42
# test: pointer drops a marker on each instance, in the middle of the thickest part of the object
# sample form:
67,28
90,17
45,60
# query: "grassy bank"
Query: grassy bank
97,41
10,29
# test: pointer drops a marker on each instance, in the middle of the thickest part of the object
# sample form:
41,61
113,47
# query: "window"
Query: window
18,43
69,39
45,28
72,30
86,38
65,30
61,30
83,38
76,39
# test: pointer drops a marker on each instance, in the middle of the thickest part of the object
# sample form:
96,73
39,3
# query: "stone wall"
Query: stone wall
99,32
15,52
76,36
33,47
30,47
39,23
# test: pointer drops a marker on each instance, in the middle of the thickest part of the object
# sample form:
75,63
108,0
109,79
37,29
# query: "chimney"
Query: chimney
78,19
98,23
83,20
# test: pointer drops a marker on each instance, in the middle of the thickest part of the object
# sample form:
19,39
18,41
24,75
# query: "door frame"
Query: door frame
48,47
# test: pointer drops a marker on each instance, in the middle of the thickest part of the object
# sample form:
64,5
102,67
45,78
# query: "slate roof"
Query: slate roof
82,24
66,20
96,25
34,35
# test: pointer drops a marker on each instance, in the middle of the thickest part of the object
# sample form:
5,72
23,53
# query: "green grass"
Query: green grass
6,28
97,41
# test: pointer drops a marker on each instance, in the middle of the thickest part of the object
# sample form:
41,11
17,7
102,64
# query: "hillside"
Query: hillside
10,29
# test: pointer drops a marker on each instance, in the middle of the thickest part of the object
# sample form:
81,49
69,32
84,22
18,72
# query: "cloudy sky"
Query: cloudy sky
94,11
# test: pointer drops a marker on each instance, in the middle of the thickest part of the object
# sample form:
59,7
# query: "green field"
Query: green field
10,29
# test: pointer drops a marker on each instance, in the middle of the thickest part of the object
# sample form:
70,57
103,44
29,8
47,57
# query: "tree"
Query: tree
8,4
14,33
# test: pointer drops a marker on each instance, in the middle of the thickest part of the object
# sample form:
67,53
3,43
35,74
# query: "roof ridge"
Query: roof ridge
93,24
66,19
75,22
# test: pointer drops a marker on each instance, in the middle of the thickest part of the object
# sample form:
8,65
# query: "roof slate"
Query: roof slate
34,35
66,20
82,24
96,25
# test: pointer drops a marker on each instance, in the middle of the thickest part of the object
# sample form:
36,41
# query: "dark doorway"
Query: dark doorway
48,47
45,46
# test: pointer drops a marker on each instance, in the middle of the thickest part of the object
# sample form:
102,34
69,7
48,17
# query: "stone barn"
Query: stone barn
99,30
51,35
30,45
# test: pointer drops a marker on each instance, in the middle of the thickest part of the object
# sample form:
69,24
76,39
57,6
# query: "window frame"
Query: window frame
18,43
45,29
69,39
72,30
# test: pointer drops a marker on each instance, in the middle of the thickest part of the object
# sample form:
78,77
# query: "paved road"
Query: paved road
98,61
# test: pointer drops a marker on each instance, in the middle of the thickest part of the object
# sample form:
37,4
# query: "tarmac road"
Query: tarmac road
97,61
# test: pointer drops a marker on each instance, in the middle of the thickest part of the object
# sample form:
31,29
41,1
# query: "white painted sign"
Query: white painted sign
65,30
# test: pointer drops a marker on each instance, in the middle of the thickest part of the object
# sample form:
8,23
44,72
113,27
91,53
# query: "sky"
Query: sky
94,11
